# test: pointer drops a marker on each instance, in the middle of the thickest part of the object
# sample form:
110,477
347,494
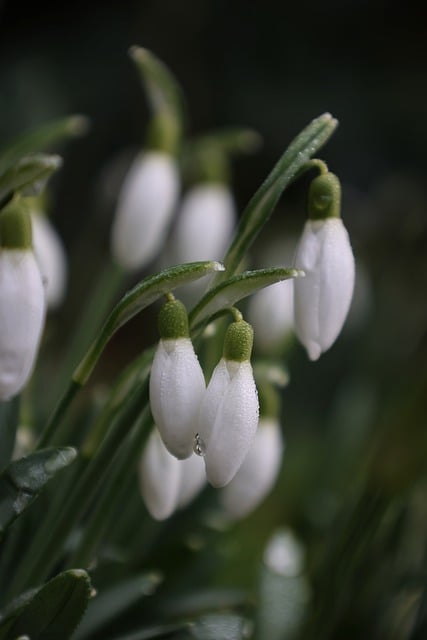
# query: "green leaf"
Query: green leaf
260,207
140,297
52,611
111,603
28,176
42,137
227,293
9,415
23,480
163,91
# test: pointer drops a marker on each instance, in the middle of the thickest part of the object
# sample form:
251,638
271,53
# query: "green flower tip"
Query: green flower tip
164,133
78,125
324,197
15,226
238,341
173,321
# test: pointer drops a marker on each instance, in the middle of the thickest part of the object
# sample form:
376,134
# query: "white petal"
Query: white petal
159,476
322,299
22,314
193,479
177,386
271,313
50,255
205,224
235,424
258,473
215,392
144,210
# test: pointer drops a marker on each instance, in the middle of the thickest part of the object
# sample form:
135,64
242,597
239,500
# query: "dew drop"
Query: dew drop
199,446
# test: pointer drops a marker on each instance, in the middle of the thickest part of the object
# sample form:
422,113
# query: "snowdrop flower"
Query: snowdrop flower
258,473
144,210
271,312
322,299
159,478
51,258
22,301
205,223
228,415
177,383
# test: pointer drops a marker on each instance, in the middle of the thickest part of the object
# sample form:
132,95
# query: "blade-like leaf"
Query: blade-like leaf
260,207
42,137
111,603
52,611
28,176
22,481
9,415
141,296
163,90
227,293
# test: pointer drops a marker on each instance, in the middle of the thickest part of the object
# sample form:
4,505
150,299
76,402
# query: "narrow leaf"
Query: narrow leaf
23,480
140,297
111,603
42,137
227,293
163,90
260,207
9,415
52,611
28,176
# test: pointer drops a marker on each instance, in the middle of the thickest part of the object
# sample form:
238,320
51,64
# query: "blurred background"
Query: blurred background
357,417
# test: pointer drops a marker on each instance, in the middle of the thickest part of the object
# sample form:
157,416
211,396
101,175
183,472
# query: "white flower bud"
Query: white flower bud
258,473
322,299
22,314
205,223
228,419
51,258
159,478
177,385
144,210
271,312
192,481
229,411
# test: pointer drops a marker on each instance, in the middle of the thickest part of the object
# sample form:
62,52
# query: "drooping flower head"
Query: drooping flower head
228,415
177,383
259,470
22,301
322,299
147,200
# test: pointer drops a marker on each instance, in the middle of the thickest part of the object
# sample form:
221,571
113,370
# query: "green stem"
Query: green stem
260,207
100,301
42,556
112,492
61,408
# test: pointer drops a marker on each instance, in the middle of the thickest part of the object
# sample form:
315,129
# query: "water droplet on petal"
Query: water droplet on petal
199,446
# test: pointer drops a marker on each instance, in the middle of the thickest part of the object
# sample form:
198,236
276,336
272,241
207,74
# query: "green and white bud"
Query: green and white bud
229,411
177,383
22,301
322,299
